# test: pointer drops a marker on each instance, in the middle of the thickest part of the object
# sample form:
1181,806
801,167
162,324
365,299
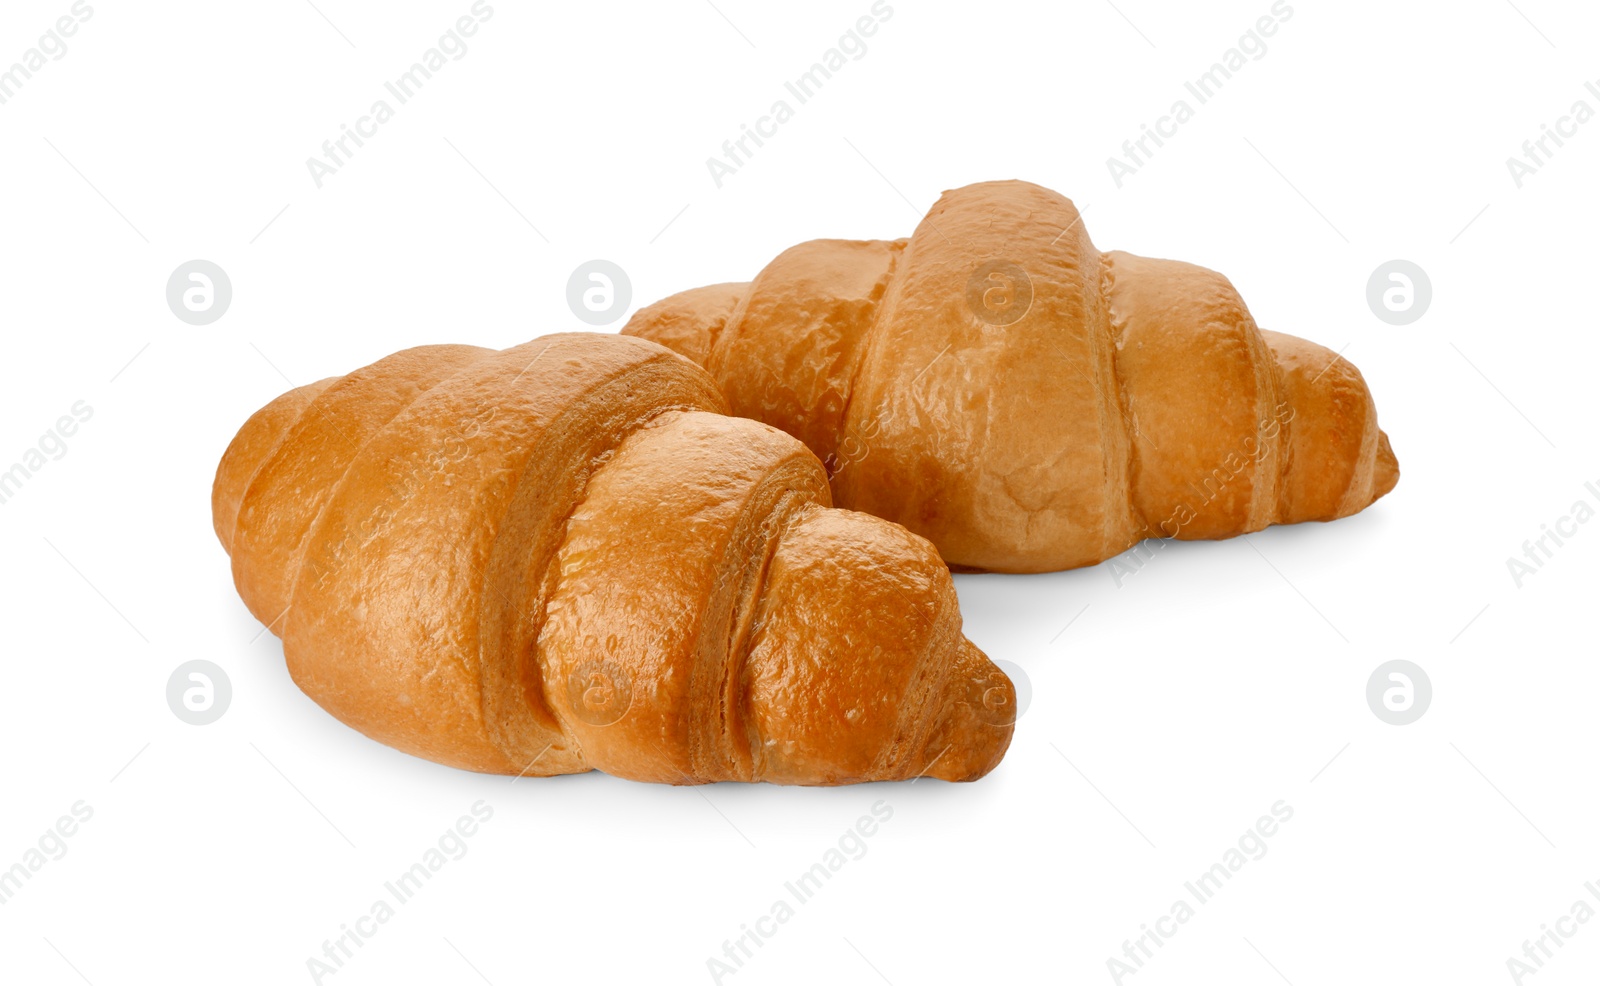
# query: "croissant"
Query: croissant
1025,402
565,556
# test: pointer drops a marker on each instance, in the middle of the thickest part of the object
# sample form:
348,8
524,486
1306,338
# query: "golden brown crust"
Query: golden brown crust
823,295
284,496
558,557
251,447
992,438
657,571
886,670
1024,401
690,322
1199,383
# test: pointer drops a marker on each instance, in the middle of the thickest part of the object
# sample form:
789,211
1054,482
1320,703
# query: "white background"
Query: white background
1175,709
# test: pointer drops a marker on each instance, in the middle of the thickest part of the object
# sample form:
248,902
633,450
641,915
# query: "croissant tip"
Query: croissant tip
1387,468
978,720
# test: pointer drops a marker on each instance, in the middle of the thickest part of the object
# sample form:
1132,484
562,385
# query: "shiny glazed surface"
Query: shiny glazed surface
1027,403
565,556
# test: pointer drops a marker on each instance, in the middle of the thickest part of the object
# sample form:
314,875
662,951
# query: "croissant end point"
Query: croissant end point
975,728
1387,468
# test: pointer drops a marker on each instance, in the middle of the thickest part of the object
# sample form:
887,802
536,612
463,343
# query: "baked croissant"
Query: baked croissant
565,556
1025,402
